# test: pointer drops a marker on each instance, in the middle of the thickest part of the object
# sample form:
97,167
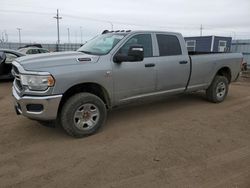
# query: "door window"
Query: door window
29,52
33,51
142,39
43,51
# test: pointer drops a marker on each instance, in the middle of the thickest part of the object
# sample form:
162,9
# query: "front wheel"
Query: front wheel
218,90
83,114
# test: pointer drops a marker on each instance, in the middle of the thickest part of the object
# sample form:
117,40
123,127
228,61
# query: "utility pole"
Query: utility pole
2,39
68,36
75,37
81,33
234,35
201,28
6,36
58,33
19,35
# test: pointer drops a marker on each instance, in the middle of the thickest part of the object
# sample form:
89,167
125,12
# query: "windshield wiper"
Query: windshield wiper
86,52
91,53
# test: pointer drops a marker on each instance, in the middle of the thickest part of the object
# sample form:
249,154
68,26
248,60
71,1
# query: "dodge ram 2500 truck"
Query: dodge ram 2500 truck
77,88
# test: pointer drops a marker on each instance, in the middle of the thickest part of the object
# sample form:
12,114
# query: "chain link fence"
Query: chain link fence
242,46
50,47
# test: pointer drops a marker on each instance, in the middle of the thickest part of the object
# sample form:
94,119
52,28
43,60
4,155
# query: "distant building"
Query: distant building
242,46
208,44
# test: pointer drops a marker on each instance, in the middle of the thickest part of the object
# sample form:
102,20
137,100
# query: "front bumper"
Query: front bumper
49,104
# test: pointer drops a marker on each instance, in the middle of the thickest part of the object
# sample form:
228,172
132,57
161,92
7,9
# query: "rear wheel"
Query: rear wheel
218,90
83,114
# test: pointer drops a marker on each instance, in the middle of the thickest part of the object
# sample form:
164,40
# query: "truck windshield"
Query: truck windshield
102,44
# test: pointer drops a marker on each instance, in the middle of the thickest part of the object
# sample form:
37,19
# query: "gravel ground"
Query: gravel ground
182,141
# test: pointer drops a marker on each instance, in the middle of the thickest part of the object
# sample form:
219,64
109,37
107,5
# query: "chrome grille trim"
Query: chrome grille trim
17,81
15,69
21,70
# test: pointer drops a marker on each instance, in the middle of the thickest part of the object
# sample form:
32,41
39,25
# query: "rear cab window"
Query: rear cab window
169,45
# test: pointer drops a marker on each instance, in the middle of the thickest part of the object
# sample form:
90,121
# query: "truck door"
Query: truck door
173,67
132,79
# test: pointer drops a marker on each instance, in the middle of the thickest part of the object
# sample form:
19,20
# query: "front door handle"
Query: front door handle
183,62
150,65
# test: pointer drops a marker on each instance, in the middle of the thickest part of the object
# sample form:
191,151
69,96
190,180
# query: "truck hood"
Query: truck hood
55,59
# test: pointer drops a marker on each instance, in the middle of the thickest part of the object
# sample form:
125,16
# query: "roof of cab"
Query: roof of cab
139,31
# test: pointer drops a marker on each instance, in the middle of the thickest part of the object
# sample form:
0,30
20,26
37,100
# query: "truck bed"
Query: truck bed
204,66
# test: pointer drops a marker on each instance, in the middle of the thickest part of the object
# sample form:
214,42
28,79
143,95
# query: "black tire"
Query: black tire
68,115
218,89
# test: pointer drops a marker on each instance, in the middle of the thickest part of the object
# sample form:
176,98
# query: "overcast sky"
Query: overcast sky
35,17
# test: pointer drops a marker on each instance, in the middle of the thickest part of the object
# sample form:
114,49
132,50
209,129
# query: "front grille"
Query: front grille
17,81
18,85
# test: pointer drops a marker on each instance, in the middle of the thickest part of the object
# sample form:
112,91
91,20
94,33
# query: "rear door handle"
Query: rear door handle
183,62
150,65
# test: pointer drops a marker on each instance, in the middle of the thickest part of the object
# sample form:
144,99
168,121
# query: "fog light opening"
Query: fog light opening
34,107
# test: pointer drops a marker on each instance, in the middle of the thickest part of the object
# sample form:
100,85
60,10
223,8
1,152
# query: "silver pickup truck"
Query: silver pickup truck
77,88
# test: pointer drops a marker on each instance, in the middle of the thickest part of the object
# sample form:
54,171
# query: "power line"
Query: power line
186,27
25,12
176,26
130,24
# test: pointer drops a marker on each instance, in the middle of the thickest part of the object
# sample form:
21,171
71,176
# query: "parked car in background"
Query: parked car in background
33,50
6,58
31,45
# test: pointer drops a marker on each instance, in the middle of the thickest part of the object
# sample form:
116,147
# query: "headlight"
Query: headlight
37,82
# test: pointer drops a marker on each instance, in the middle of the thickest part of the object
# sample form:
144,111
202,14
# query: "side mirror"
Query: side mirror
2,57
135,53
